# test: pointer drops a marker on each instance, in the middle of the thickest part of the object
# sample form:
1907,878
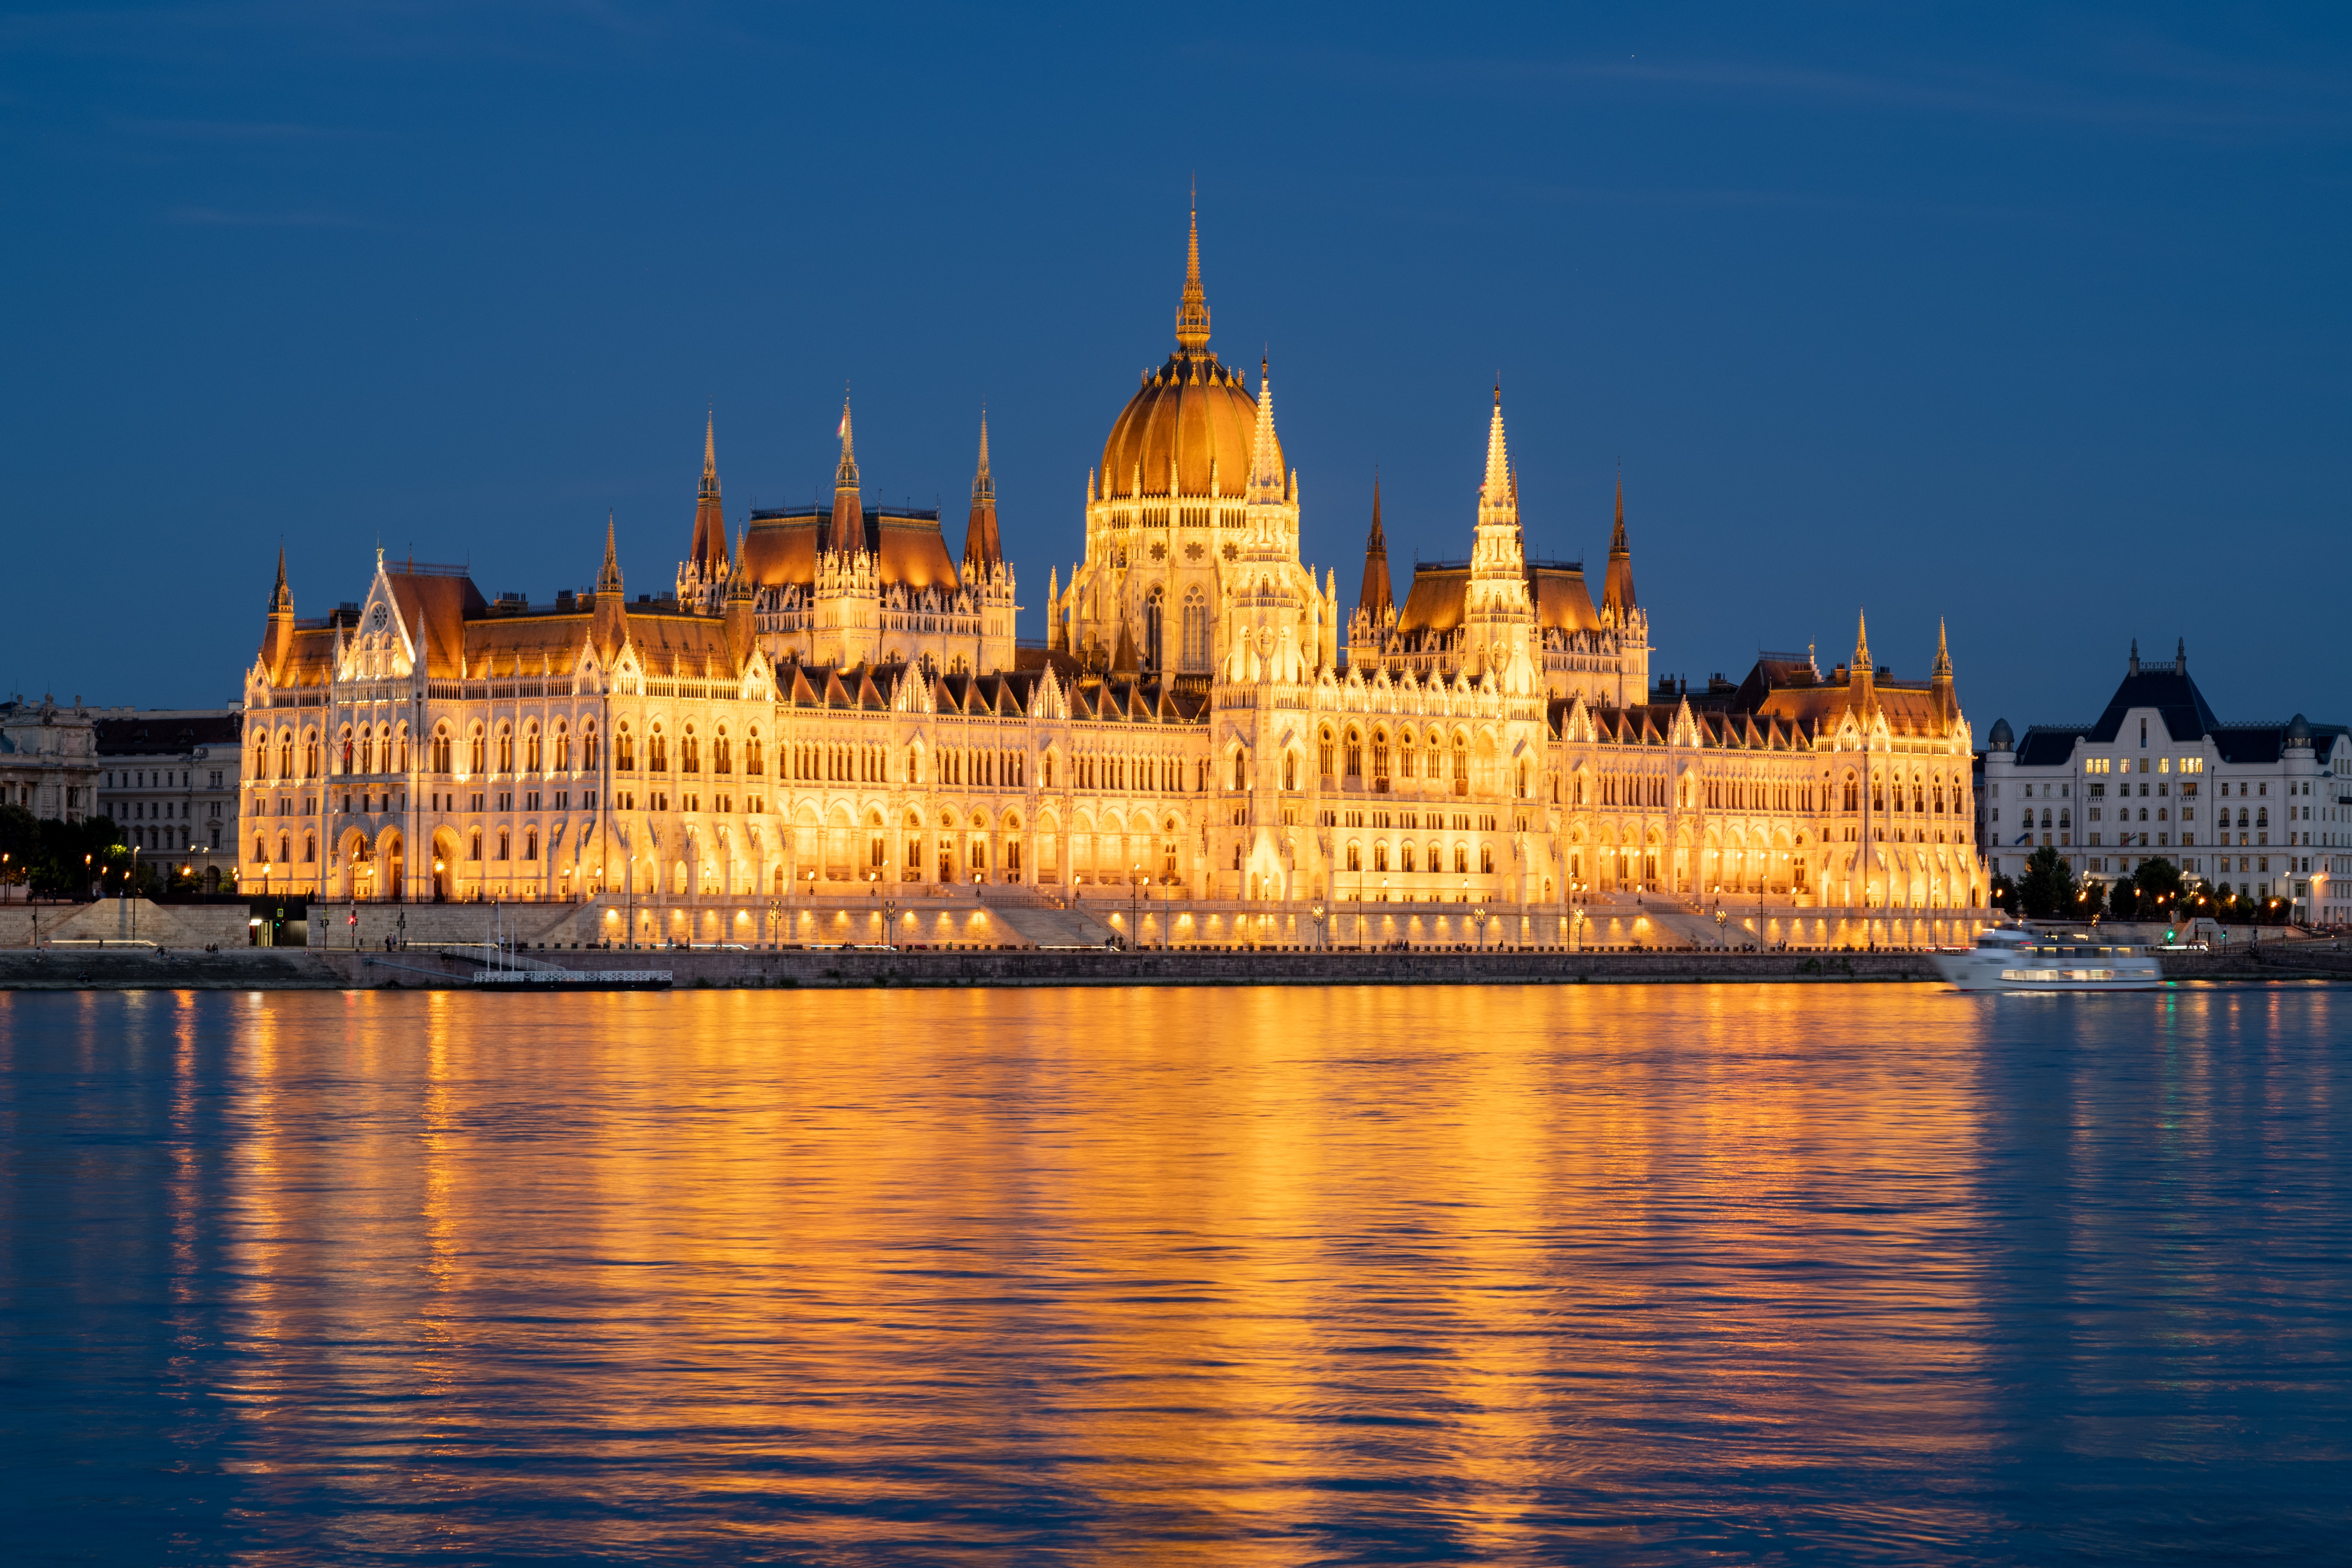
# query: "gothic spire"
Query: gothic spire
281,597
1495,491
848,532
1617,592
983,550
1862,640
709,549
1192,311
1377,598
608,581
1265,452
1943,666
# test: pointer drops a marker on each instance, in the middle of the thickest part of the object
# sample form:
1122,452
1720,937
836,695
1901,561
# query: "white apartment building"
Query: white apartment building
2263,809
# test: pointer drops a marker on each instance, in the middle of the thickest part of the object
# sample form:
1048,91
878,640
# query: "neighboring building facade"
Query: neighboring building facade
2263,809
48,759
169,778
842,701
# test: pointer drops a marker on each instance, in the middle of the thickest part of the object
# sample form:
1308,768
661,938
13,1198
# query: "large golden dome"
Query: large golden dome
1191,409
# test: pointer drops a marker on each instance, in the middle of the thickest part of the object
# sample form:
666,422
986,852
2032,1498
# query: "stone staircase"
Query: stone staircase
1044,925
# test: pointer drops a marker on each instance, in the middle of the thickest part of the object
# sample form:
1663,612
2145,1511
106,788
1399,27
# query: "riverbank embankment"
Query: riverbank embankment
273,968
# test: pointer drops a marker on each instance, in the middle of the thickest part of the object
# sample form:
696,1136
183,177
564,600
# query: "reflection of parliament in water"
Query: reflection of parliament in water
841,701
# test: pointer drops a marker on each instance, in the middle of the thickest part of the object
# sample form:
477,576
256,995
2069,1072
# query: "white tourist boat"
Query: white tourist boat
2012,958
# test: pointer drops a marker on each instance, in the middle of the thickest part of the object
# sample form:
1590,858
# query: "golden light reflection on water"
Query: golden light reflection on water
1097,1271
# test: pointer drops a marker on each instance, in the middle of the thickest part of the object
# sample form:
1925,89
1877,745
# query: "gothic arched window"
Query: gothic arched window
1196,652
1153,618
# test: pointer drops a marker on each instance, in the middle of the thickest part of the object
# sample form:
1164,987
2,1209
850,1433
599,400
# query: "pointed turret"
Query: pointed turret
982,551
2134,656
608,579
1617,592
1860,676
278,636
1939,684
1265,481
847,535
609,626
710,554
1495,492
738,613
1192,309
1376,600
2180,657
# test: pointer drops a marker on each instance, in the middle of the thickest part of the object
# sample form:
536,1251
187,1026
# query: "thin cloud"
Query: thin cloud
2243,99
221,217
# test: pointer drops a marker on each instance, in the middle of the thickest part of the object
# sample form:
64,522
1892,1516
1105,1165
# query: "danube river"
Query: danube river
1656,1274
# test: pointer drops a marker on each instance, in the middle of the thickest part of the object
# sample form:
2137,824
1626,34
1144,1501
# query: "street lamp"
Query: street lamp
1322,936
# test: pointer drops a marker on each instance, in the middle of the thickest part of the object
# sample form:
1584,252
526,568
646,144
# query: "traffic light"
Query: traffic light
2169,935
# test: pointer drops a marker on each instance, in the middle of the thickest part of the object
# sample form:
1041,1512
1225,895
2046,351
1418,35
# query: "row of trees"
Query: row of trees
55,860
2156,891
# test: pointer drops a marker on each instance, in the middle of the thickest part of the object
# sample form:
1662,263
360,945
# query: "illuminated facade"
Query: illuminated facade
2263,809
841,703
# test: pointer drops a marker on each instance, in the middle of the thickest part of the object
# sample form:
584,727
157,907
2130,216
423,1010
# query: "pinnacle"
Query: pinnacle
1495,490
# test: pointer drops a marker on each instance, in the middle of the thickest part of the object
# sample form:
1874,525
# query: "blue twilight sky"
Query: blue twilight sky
2038,322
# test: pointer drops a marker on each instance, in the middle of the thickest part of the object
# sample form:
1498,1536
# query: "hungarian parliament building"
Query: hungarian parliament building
836,704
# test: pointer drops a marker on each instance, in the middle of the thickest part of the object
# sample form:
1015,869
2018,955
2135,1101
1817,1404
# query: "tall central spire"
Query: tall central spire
1192,313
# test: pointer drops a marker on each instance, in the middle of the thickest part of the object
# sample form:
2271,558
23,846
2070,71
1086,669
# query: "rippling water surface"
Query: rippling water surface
1594,1275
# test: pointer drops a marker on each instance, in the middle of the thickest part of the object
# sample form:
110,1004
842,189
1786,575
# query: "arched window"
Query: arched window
1153,628
625,750
1461,860
1404,755
530,845
1323,754
1380,857
1461,765
1405,851
506,753
440,750
349,752
531,750
311,753
720,761
658,762
1241,770
505,843
474,844
310,847
753,764
1290,770
588,748
1355,758
689,752
402,766
1523,778
562,749
1486,859
285,755
480,760
1379,759
1355,856
1195,653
